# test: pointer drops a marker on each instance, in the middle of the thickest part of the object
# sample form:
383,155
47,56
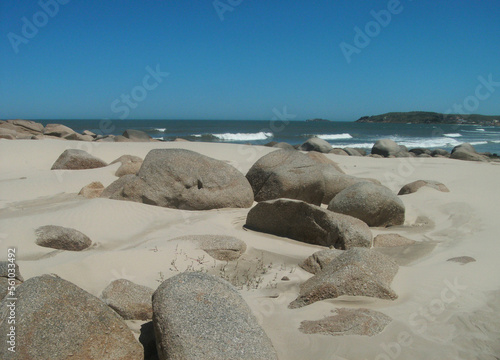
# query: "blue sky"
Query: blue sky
233,59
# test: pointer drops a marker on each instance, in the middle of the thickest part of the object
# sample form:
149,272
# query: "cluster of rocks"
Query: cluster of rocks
387,148
26,129
194,315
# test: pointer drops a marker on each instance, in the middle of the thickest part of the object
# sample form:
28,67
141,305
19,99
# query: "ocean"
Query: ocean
338,134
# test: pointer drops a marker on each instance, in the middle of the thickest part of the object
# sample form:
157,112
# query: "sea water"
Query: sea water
337,133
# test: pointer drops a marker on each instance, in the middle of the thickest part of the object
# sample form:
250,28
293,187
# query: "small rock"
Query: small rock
390,240
131,301
316,144
338,151
59,130
388,148
440,152
283,145
462,259
74,159
136,135
130,165
220,247
416,185
92,190
354,152
61,238
346,321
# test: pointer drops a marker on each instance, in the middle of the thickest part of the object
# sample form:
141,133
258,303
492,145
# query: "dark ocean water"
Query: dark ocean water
339,134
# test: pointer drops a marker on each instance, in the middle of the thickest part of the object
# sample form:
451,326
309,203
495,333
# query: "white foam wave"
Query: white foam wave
244,136
429,143
453,135
478,143
161,129
480,130
334,136
355,145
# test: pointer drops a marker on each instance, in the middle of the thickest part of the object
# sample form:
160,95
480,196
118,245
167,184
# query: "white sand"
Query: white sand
132,241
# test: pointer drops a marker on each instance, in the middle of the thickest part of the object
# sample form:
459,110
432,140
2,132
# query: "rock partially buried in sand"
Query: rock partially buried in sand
61,238
57,320
416,185
317,261
92,190
374,204
74,159
129,165
308,223
357,272
348,322
220,247
184,179
462,259
391,240
131,301
316,144
199,316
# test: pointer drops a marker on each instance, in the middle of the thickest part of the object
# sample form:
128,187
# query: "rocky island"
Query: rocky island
424,117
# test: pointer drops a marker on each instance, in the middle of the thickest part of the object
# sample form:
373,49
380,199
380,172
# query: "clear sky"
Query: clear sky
240,59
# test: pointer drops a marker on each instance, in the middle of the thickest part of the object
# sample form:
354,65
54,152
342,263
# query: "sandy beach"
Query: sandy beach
444,310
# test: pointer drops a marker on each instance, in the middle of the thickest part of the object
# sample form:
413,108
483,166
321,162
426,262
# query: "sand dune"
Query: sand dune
445,310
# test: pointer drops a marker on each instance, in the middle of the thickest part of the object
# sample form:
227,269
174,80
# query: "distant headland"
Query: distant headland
423,117
318,120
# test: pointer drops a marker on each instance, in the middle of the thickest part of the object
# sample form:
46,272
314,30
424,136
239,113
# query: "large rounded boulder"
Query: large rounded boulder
316,144
312,178
467,152
375,204
200,317
388,147
308,223
57,320
184,179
